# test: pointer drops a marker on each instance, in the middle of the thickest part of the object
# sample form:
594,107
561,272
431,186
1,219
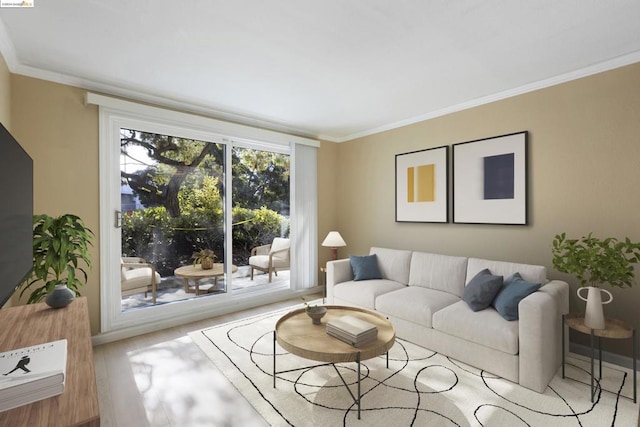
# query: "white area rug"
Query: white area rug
420,387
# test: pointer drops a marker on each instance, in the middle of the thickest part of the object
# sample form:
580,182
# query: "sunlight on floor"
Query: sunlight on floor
177,381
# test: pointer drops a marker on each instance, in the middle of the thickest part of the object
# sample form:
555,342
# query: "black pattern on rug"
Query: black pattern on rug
420,387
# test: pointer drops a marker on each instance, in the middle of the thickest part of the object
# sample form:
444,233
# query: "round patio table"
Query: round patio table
196,273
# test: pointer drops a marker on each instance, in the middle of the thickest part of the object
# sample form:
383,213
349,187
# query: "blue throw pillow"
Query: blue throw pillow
481,290
514,290
365,267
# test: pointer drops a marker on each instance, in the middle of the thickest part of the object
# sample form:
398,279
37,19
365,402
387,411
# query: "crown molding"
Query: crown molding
618,62
7,49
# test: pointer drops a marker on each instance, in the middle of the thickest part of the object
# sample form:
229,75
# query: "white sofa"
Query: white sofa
421,293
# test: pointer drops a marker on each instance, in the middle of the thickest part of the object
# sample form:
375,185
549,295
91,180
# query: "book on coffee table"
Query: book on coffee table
352,330
351,341
352,325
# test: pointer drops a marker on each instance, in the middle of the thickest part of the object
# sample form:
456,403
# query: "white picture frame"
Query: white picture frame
490,180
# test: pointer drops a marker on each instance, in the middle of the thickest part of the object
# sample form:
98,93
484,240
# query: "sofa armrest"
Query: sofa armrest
540,334
560,291
338,271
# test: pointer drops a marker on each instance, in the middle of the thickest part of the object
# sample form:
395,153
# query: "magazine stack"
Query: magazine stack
352,330
32,373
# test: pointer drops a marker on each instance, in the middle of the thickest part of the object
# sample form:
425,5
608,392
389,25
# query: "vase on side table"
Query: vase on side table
594,314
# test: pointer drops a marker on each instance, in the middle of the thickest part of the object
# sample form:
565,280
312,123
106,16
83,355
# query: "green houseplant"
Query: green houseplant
593,262
60,248
596,261
204,257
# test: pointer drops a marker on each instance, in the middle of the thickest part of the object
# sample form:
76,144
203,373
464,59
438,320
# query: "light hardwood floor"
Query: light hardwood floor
164,379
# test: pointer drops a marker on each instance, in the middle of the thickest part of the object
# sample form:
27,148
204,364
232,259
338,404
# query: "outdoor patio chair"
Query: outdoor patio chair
270,258
138,276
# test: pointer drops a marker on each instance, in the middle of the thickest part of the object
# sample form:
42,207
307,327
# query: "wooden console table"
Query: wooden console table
34,324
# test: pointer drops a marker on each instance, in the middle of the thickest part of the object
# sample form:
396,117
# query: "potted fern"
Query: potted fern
204,257
60,259
595,262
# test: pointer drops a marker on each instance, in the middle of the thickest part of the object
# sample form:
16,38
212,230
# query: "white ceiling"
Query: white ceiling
331,69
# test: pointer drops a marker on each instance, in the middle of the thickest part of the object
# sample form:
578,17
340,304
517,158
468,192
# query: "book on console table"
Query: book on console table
32,373
352,330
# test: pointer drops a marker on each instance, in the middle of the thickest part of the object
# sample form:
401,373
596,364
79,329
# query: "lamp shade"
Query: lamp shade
333,240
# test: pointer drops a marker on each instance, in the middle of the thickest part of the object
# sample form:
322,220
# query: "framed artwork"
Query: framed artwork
490,180
422,180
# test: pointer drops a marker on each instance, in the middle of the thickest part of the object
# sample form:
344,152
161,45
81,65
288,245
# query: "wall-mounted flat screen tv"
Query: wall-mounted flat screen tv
16,215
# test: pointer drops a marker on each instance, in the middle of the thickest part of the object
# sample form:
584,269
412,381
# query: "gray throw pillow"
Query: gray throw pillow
481,290
514,290
365,267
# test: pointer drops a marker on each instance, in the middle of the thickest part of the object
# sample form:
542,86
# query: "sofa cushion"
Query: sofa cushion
481,290
514,290
530,273
364,293
414,304
441,272
393,263
364,267
484,327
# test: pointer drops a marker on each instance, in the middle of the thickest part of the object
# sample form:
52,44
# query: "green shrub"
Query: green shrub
169,242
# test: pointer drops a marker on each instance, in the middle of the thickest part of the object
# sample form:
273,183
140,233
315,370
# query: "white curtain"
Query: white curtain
304,217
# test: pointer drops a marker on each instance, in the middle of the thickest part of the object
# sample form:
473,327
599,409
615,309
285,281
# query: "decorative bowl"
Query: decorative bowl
316,313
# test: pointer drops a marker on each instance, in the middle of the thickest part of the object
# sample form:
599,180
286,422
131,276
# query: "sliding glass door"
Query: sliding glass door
175,189
261,218
172,218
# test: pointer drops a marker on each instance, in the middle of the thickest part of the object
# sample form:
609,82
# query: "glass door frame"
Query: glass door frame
112,317
115,114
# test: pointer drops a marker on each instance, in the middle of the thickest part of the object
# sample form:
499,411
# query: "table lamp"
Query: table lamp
334,240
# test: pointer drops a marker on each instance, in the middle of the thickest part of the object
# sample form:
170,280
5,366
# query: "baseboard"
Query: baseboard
616,359
231,307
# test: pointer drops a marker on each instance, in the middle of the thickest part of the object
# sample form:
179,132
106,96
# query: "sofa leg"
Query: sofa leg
251,269
270,275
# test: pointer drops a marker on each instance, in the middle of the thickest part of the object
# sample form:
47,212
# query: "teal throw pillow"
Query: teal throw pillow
365,267
481,290
514,290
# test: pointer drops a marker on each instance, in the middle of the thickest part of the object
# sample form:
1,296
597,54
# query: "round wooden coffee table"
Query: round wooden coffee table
196,273
295,333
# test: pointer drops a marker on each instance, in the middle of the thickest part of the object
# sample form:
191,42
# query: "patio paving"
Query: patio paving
171,288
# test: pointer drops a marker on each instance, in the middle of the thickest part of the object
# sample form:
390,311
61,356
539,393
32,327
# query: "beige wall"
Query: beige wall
5,94
60,133
584,154
328,207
